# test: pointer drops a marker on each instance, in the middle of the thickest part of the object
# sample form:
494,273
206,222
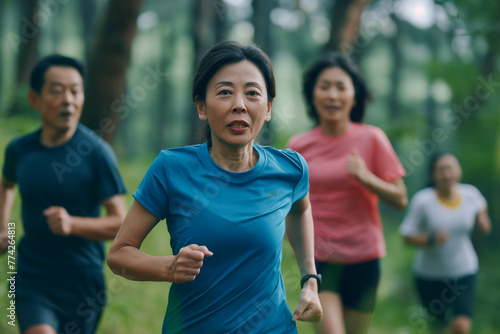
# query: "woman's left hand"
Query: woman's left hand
309,308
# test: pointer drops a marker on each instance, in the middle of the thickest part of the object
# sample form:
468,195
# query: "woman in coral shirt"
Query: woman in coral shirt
351,166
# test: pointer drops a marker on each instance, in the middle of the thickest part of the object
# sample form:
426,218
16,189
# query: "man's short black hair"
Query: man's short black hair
37,77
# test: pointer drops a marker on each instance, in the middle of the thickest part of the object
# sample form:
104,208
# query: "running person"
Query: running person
351,166
439,221
225,203
65,174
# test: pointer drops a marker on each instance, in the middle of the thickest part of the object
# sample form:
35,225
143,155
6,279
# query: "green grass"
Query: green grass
139,307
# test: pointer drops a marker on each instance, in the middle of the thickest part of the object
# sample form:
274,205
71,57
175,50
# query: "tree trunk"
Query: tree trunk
164,98
263,38
220,20
3,6
203,27
488,69
28,49
397,65
125,143
262,24
207,27
494,208
27,52
88,10
345,22
108,65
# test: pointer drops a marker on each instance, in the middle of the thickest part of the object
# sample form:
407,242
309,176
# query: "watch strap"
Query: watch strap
306,277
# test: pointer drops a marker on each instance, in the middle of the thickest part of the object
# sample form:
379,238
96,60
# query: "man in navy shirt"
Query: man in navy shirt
65,173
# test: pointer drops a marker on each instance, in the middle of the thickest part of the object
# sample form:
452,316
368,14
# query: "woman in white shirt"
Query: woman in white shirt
439,221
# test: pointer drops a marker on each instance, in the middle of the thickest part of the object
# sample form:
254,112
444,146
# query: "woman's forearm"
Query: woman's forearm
300,232
392,193
133,264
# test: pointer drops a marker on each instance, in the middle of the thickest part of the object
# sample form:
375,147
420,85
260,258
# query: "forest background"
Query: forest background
433,67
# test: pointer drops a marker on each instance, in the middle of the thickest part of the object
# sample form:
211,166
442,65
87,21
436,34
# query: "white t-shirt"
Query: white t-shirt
427,215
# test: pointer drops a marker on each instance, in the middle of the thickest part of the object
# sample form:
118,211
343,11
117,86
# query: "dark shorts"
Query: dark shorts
70,304
447,298
355,283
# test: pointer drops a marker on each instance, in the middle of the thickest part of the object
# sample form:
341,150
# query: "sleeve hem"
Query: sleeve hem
144,203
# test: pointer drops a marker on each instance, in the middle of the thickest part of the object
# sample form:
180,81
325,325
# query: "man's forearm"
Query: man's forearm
103,228
7,195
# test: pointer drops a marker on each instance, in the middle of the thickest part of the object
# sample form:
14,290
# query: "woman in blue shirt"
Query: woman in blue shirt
227,204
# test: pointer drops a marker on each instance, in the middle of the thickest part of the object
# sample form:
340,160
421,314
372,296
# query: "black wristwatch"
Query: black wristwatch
305,278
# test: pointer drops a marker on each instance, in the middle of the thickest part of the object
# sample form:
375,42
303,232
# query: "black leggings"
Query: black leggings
447,298
355,283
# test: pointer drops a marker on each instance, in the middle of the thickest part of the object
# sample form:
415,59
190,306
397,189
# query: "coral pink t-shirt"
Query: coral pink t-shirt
347,224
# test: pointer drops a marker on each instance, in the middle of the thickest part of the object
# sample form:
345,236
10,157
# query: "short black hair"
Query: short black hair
225,53
37,77
335,59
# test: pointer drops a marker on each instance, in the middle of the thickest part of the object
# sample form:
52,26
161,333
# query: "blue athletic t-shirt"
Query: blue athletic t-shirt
240,217
77,175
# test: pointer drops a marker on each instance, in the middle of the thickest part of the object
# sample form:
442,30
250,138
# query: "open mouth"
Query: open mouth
238,125
65,114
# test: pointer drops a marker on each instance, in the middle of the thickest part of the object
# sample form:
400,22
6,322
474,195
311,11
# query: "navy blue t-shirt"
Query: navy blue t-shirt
240,217
77,175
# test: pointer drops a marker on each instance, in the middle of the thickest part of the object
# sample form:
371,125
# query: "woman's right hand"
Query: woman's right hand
188,262
441,237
